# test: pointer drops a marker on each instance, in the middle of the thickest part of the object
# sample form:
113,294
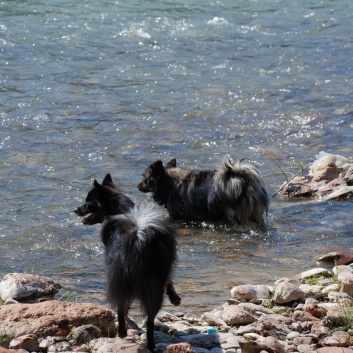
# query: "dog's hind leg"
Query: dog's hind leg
152,302
171,292
122,313
150,332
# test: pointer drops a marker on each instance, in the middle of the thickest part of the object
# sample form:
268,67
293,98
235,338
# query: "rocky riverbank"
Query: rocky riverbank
330,176
313,312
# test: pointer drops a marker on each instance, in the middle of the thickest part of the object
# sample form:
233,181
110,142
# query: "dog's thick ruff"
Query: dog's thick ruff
140,252
234,192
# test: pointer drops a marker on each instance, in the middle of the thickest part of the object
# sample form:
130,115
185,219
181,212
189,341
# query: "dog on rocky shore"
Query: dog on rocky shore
140,252
235,191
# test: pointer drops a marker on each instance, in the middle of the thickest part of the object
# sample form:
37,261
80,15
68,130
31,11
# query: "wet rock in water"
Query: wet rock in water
336,258
330,176
24,286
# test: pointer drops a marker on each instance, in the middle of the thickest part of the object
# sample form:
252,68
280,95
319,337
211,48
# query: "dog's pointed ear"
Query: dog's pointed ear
96,184
171,163
157,166
108,180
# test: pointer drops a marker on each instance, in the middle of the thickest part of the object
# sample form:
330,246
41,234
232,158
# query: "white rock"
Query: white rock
213,319
255,308
315,272
324,160
23,286
284,279
337,270
286,292
248,292
292,335
312,290
346,279
341,298
178,326
335,287
236,315
344,274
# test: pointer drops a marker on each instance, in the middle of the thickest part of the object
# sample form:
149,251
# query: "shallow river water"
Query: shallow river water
90,87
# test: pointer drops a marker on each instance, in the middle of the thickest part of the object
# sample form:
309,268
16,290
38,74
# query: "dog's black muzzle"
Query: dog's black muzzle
82,210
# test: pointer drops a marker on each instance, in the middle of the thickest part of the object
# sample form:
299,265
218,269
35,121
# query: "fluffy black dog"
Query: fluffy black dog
234,192
140,252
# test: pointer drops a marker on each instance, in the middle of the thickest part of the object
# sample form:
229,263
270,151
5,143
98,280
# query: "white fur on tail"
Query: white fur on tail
145,217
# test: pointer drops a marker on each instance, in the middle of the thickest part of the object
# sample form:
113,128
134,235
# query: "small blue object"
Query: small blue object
211,330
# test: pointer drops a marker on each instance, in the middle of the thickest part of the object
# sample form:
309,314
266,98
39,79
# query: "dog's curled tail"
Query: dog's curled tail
240,184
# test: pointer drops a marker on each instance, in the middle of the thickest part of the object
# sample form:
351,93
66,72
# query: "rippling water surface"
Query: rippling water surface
92,87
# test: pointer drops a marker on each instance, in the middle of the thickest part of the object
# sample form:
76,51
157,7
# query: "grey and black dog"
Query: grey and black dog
235,191
140,252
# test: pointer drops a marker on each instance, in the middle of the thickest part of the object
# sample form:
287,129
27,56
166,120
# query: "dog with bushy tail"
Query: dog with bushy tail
234,192
140,252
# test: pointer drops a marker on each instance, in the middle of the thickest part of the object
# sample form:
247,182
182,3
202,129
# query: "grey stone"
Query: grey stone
249,292
59,347
24,286
83,334
213,319
201,340
27,342
311,290
237,315
286,292
315,272
337,270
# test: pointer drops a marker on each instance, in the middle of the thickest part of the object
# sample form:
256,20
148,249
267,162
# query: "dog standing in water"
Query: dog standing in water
140,252
234,192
